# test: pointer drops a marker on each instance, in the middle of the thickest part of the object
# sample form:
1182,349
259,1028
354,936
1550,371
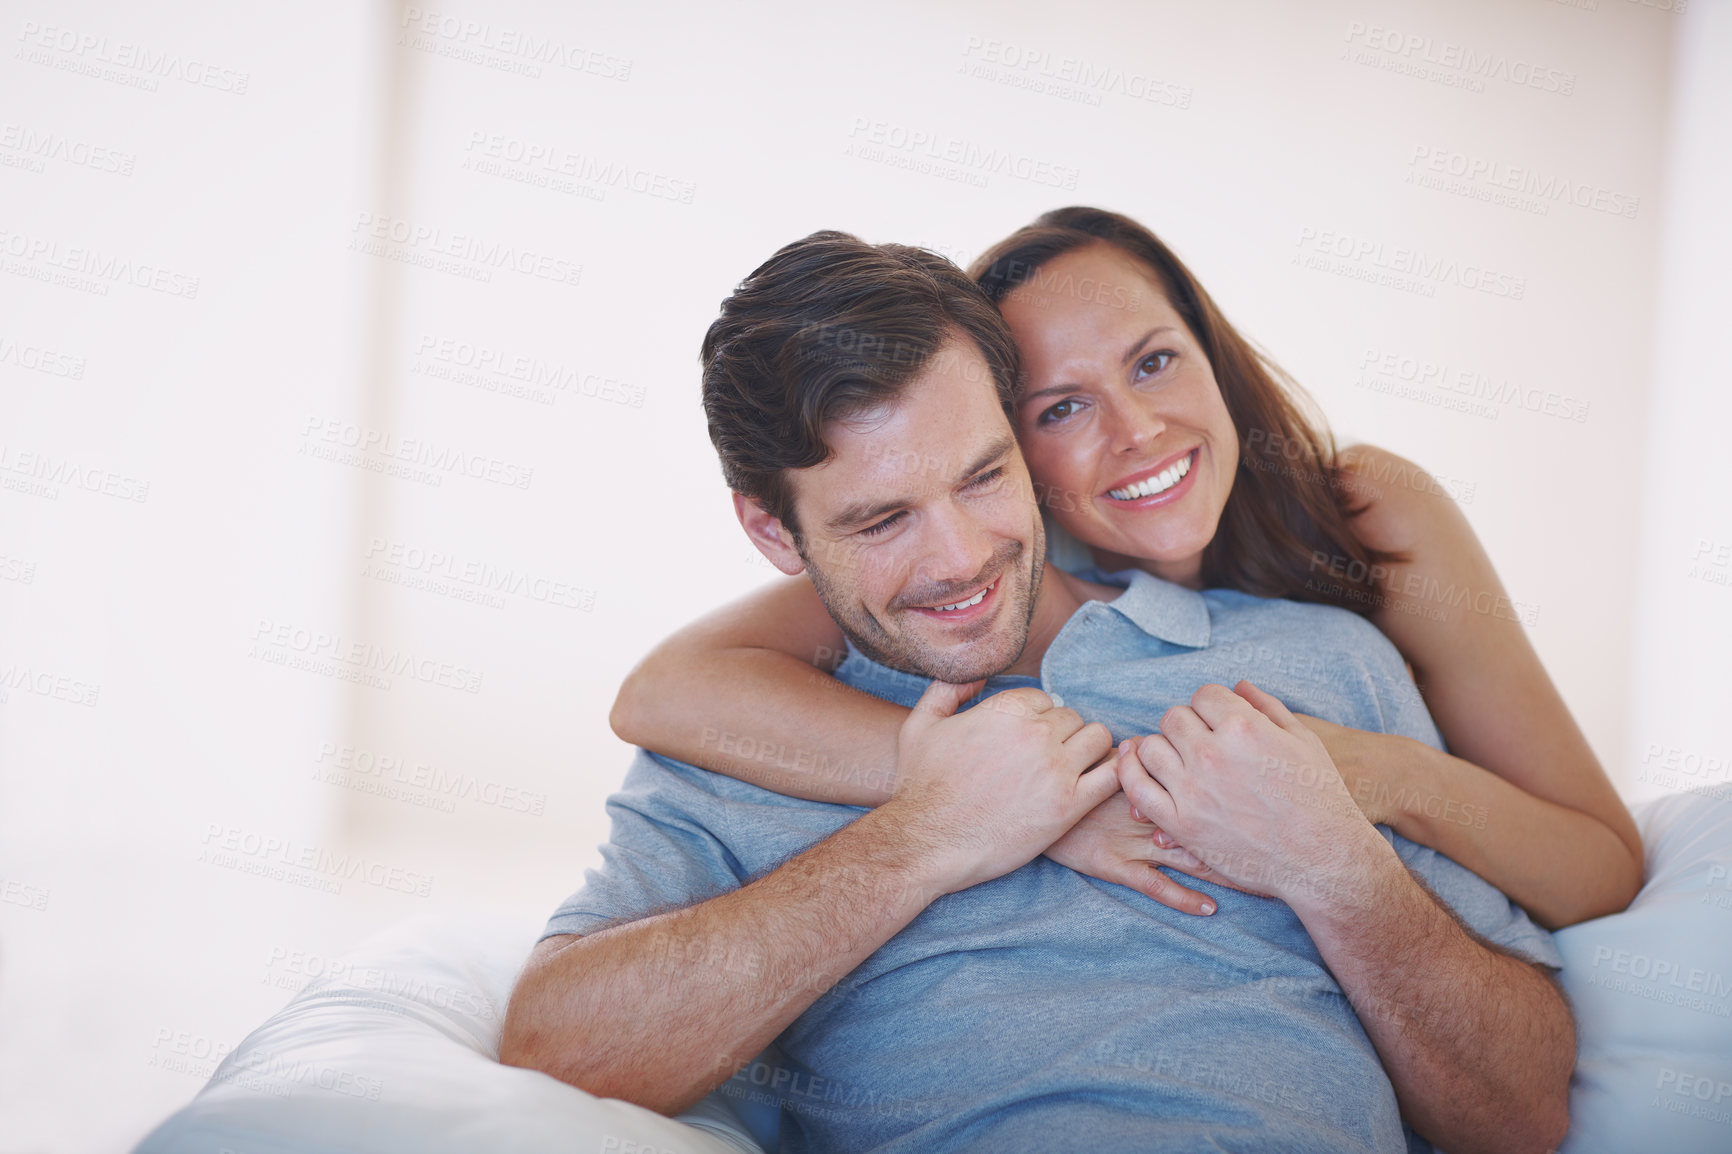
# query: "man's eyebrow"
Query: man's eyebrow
1130,354
861,512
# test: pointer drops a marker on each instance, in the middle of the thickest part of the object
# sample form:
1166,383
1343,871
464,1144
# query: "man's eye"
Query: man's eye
1155,362
987,478
879,527
1059,412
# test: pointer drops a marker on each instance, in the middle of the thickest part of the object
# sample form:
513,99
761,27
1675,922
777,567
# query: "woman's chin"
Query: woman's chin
1160,555
1171,536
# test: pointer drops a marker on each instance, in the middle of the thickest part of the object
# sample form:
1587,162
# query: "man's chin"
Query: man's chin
958,663
964,668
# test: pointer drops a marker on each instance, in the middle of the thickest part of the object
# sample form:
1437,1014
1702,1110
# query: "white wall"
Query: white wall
1680,682
1252,135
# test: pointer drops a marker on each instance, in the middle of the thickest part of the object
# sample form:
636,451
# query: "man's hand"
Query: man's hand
990,789
1111,844
1477,1043
1241,783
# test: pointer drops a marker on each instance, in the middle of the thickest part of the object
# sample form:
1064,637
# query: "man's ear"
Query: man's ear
769,535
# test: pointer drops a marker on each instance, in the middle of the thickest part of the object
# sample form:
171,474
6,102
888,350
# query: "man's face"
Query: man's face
921,532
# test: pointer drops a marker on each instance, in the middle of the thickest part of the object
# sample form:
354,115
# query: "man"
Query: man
935,982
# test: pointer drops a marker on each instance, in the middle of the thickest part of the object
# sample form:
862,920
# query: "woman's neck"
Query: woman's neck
1187,572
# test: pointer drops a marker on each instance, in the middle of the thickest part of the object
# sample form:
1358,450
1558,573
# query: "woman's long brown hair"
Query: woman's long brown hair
1286,529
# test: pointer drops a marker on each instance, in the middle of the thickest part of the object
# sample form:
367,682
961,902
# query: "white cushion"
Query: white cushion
1652,991
398,1052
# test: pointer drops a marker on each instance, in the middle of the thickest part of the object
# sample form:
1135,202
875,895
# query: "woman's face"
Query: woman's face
1122,424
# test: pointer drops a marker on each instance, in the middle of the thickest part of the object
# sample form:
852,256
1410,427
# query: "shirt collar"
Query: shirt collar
1159,608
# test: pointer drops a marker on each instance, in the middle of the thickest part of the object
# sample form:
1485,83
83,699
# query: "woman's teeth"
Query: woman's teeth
975,600
1159,483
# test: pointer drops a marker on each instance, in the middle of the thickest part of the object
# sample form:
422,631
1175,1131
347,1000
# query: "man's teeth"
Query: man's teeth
975,600
1159,483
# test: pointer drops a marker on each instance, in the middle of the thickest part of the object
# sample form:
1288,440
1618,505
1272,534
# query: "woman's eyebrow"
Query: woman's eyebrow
1038,393
1136,346
1130,355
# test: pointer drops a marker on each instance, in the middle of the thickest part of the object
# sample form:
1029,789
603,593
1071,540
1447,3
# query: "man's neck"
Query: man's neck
1061,595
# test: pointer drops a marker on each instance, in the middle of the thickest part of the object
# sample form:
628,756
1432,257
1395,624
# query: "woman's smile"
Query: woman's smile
1159,484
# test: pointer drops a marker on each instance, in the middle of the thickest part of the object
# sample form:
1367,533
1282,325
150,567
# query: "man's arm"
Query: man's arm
1479,1045
661,1011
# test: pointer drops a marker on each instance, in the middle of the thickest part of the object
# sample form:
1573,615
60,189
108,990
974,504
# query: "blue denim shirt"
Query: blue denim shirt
1045,1009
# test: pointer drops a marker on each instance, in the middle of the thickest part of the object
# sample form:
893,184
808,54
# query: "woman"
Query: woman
1160,439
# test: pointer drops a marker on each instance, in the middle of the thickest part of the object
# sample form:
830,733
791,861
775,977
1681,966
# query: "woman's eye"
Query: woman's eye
879,527
1155,362
1059,412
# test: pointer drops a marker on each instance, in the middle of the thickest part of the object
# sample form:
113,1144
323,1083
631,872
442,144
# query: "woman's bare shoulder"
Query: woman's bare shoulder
1403,507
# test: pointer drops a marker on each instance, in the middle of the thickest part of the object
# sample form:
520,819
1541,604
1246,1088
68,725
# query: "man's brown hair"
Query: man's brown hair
827,329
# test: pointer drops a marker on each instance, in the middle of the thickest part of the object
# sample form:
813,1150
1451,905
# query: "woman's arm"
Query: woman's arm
1523,802
746,691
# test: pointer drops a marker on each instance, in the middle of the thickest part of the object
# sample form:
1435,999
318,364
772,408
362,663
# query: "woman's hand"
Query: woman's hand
1112,845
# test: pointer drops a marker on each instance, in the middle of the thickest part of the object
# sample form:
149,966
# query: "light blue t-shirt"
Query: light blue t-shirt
1046,1010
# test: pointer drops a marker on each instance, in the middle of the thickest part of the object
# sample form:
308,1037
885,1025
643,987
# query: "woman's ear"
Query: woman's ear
769,535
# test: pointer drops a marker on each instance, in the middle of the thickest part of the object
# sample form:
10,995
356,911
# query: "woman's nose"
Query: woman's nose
1134,423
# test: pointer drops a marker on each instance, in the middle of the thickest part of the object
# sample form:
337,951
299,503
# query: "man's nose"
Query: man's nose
959,548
